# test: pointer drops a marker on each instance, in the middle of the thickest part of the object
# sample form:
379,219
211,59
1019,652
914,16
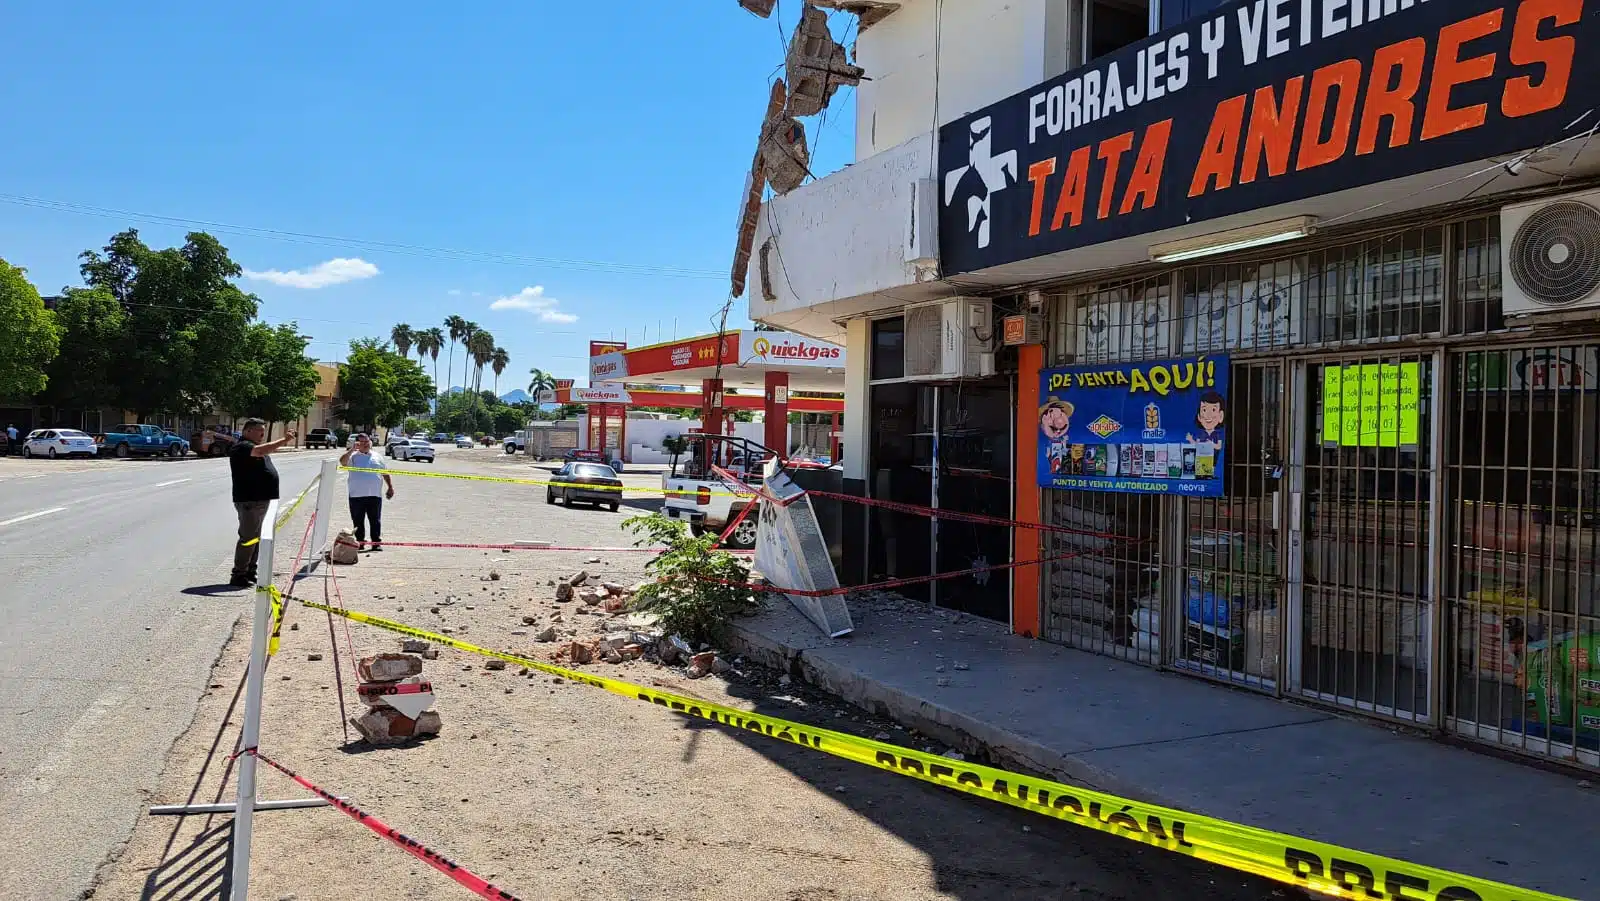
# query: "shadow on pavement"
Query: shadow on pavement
209,591
981,850
195,871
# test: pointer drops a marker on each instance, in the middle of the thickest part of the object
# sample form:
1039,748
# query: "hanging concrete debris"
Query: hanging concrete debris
869,12
762,8
817,65
754,183
784,156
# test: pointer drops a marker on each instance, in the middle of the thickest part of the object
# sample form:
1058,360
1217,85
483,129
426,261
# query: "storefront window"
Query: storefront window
899,544
1521,592
1386,287
1232,595
1476,301
975,462
1367,561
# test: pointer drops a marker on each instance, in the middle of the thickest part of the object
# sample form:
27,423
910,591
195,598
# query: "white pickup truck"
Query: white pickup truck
706,501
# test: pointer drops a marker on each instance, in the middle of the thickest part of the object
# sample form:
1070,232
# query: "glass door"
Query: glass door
1366,510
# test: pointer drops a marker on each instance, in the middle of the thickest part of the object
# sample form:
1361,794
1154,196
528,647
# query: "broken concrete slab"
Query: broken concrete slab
388,667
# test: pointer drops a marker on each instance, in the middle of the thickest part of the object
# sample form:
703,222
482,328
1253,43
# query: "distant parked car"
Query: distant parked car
395,440
595,483
214,442
463,441
415,449
439,437
321,438
142,439
54,443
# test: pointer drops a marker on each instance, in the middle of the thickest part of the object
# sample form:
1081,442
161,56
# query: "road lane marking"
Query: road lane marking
27,516
173,482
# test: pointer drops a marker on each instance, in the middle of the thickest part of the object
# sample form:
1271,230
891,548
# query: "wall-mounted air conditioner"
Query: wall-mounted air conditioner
950,339
1550,254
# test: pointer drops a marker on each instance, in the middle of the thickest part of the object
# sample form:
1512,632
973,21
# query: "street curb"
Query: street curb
1006,748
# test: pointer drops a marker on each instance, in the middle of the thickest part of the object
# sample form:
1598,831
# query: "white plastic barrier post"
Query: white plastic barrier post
326,489
250,733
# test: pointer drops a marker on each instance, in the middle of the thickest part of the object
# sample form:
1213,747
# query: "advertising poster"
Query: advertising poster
1136,428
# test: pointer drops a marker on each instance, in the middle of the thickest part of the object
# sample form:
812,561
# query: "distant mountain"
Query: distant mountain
516,396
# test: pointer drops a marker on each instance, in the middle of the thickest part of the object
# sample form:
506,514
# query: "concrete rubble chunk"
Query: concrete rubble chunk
700,665
388,667
578,652
616,604
494,663
431,654
613,588
816,65
718,665
530,620
387,726
494,575
578,578
667,651
563,593
413,645
631,651
549,634
614,641
589,597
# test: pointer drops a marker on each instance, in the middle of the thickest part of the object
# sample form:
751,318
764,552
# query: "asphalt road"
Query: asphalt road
112,612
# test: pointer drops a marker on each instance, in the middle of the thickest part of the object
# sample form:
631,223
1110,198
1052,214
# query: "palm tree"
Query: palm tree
403,338
540,381
499,360
457,327
429,343
481,347
468,329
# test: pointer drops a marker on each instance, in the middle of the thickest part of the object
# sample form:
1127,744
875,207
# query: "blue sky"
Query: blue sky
523,134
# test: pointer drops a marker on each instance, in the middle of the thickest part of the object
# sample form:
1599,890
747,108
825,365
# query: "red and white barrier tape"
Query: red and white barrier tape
467,545
463,877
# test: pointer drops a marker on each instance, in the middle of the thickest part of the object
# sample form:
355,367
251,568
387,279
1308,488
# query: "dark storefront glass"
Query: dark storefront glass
975,462
888,349
902,471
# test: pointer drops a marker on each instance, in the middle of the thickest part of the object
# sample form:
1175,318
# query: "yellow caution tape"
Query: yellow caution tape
1321,867
540,482
278,608
284,516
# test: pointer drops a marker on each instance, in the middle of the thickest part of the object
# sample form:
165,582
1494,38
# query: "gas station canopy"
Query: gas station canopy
746,356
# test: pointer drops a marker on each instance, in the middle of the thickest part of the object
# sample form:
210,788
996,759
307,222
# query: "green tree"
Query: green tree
403,338
458,329
430,342
539,380
468,329
288,377
28,336
380,387
412,388
507,419
92,326
186,324
498,361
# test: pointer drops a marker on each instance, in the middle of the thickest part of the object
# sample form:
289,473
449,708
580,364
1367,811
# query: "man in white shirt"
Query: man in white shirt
367,489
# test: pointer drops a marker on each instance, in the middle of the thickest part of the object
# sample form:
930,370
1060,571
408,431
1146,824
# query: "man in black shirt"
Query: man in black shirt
255,484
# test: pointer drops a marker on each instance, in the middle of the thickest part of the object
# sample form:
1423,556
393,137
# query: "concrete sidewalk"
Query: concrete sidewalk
1173,740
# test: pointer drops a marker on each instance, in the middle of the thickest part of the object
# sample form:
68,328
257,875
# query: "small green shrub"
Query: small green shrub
686,595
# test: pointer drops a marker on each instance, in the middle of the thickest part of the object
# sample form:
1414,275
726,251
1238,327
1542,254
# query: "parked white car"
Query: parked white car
54,443
463,441
415,449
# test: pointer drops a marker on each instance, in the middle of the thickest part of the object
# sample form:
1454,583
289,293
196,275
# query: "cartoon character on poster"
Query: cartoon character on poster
1207,435
1055,420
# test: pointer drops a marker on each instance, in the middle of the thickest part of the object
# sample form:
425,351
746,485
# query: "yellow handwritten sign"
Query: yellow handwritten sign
1372,404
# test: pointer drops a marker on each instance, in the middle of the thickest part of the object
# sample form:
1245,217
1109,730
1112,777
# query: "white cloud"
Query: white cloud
333,272
533,300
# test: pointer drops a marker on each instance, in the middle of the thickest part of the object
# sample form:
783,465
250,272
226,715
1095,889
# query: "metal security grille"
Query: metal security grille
1105,598
1367,565
1230,622
1521,589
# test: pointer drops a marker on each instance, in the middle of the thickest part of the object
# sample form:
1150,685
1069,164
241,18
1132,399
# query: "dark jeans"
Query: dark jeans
364,510
251,515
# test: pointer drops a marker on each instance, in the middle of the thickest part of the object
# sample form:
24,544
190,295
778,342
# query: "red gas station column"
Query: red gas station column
776,431
711,406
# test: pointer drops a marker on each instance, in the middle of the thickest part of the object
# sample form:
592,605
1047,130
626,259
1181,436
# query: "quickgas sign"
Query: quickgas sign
1260,103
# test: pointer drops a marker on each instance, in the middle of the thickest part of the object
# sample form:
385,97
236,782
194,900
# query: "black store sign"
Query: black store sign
1260,103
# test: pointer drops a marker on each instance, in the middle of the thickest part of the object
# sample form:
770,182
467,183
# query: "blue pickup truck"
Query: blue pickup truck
142,440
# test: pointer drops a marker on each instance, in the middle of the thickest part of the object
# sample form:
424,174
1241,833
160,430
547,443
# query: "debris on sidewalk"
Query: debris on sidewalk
397,698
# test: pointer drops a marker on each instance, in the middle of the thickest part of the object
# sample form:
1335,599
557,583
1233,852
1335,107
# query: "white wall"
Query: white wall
857,357
841,237
988,49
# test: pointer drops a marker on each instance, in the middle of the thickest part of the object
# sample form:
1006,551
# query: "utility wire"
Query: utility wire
415,250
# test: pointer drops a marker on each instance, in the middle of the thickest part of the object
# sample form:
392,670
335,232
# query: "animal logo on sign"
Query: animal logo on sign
985,175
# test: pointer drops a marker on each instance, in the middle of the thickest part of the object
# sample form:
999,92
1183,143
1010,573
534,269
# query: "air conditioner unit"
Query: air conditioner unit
950,339
1550,255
